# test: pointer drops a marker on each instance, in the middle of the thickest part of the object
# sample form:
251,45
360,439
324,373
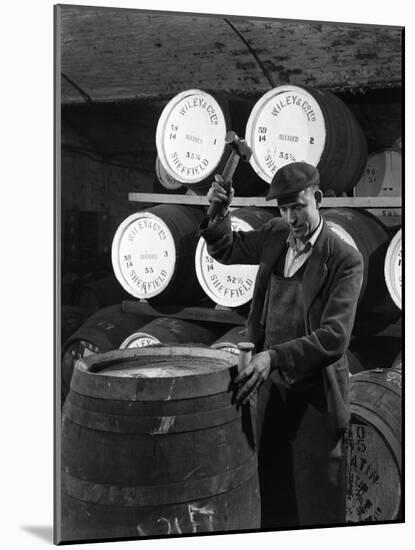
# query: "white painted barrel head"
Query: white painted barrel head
139,340
165,178
342,233
393,269
227,285
190,136
143,255
382,176
285,125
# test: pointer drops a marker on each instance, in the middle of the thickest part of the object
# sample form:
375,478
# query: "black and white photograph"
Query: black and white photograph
212,294
229,207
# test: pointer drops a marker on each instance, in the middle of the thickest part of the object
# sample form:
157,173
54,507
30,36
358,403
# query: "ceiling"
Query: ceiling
114,55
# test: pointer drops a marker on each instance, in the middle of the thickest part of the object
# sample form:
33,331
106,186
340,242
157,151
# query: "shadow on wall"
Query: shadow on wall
43,532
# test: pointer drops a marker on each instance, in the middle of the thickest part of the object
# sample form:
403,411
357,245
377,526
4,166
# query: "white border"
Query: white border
27,273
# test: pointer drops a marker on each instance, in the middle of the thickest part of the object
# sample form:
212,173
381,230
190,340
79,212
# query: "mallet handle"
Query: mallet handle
227,174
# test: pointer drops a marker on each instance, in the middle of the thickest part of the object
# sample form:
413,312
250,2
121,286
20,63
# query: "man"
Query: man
300,321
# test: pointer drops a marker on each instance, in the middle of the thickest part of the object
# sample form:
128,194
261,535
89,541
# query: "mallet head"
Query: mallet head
238,145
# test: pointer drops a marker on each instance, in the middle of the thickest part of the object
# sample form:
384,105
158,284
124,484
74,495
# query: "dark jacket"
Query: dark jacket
331,285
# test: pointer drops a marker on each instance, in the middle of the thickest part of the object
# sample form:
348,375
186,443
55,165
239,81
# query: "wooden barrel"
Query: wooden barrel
153,254
230,285
95,294
393,269
374,446
168,183
382,178
367,234
190,140
289,124
152,445
167,330
103,331
71,319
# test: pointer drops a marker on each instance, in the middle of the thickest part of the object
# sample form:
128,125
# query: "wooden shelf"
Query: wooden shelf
328,202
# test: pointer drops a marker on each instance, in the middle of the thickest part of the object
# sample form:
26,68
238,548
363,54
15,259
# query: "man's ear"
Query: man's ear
318,195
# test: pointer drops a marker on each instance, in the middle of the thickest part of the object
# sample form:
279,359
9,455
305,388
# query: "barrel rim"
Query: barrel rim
341,229
174,185
88,363
391,255
161,124
256,110
115,260
367,375
87,382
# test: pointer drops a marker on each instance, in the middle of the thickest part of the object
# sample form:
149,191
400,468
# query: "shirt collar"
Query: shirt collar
310,242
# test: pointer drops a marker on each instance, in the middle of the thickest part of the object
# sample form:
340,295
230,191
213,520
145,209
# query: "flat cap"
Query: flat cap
290,179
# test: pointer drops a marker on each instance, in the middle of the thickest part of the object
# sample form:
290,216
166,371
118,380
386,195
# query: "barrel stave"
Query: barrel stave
164,458
102,331
223,512
128,463
374,446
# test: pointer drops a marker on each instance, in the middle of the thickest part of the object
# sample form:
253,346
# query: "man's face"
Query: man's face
301,215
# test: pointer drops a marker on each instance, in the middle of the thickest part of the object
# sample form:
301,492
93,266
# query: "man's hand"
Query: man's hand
252,376
218,193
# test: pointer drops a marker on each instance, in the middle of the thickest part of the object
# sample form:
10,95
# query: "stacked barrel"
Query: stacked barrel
116,392
290,124
286,124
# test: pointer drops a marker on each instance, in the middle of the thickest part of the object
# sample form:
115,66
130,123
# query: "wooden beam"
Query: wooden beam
328,202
